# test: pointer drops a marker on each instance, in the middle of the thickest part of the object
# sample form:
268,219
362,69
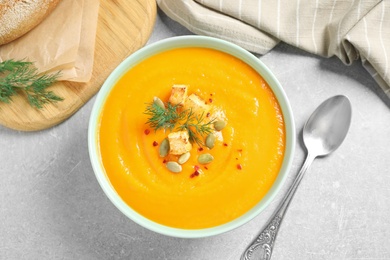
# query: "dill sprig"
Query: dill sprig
163,117
197,129
173,118
22,76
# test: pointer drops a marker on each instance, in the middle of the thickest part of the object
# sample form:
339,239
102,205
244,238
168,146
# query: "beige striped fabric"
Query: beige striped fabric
349,29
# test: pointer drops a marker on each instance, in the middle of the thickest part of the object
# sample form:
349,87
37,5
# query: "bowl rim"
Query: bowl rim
181,42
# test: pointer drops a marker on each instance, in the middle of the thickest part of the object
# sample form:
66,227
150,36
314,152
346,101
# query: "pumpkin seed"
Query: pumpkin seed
219,125
158,102
174,167
164,148
205,158
210,141
184,158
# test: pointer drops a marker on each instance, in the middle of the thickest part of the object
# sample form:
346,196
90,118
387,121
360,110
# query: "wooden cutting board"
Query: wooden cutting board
123,27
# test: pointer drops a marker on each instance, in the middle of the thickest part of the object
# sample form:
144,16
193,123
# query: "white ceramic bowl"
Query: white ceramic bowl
178,42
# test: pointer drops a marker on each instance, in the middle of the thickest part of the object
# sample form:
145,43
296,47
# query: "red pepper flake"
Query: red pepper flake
196,167
200,149
155,143
239,166
206,168
165,161
211,94
210,100
225,144
196,173
147,131
239,150
208,114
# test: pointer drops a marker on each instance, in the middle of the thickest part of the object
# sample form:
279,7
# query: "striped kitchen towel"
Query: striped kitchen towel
348,29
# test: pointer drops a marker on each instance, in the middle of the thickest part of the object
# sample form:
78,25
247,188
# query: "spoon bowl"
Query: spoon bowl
328,126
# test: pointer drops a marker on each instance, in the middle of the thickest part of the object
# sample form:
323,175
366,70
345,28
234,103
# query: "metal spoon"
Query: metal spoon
323,133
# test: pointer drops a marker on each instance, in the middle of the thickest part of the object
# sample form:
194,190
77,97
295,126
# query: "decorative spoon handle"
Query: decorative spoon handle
265,240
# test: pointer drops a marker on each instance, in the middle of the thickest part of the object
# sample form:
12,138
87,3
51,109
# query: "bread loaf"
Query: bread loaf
18,17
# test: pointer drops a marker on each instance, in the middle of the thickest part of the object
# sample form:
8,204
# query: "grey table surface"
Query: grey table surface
51,206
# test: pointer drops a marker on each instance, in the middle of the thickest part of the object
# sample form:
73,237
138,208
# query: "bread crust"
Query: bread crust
18,17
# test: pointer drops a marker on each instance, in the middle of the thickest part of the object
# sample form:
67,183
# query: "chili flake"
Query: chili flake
155,143
196,173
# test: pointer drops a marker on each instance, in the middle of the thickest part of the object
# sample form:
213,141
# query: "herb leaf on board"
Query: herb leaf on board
22,77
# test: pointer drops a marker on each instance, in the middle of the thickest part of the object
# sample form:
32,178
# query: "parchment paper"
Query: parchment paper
64,41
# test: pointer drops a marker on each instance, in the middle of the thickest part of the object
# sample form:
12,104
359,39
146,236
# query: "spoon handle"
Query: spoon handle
264,242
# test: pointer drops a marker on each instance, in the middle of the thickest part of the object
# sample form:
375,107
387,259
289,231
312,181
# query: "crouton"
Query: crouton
178,94
197,105
179,142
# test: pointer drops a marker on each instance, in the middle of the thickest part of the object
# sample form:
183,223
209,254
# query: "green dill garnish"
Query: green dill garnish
197,129
22,76
172,117
163,118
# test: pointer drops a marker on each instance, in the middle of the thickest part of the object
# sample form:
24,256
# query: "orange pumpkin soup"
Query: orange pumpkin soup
247,154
